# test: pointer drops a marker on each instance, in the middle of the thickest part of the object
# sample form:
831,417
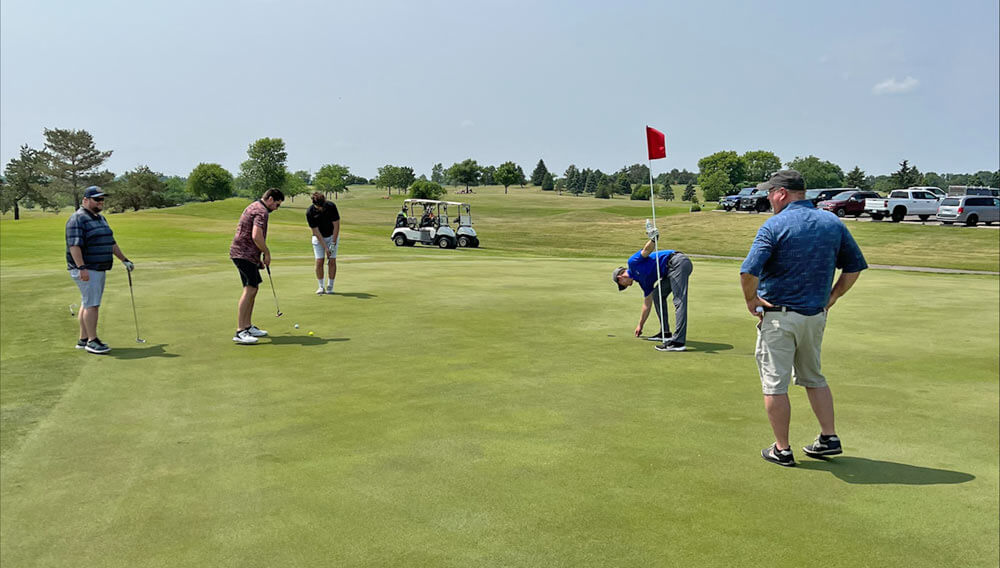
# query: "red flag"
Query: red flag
657,143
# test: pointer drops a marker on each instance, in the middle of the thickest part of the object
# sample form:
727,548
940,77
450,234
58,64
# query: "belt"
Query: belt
785,309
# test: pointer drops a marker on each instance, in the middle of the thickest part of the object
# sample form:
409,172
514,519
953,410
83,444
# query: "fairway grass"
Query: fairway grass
478,407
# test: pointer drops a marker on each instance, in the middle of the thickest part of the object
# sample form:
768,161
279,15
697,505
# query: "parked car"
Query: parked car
817,195
956,190
850,202
730,202
756,201
903,202
933,189
969,209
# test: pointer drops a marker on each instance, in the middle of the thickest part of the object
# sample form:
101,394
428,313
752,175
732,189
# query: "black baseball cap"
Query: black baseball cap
788,179
93,191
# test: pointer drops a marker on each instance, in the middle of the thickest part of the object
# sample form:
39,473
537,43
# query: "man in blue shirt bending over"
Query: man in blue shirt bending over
675,269
786,279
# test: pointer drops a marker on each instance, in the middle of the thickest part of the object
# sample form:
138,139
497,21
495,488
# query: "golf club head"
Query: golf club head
279,314
139,340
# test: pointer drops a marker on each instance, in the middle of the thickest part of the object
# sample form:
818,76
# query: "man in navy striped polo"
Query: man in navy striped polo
90,245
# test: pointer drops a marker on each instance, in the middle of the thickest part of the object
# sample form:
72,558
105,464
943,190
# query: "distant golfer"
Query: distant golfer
675,270
90,244
249,252
324,220
787,276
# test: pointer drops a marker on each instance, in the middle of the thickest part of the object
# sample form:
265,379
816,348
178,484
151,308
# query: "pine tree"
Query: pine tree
73,162
538,176
689,193
856,178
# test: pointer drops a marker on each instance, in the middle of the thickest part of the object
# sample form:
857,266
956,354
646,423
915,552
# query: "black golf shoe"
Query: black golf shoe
824,446
780,457
81,343
97,347
670,346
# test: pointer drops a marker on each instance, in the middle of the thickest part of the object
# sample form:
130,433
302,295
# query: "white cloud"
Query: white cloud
893,87
467,123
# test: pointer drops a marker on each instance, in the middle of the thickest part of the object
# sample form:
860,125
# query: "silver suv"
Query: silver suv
969,209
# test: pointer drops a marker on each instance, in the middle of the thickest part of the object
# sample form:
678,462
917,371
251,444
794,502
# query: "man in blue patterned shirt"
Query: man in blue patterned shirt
786,280
90,245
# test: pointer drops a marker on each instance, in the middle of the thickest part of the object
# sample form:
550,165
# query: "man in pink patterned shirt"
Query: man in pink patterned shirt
249,252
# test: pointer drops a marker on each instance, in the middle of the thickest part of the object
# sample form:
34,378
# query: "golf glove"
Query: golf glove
128,265
653,233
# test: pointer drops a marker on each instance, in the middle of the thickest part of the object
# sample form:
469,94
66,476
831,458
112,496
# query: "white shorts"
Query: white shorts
320,249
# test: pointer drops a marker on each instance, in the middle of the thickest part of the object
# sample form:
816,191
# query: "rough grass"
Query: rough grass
478,407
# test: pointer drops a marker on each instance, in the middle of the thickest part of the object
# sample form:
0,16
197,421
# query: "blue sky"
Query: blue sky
172,84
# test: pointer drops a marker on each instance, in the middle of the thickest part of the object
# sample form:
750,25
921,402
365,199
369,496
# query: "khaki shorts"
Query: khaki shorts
788,347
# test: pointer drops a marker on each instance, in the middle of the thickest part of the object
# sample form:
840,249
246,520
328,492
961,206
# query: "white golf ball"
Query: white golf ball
296,326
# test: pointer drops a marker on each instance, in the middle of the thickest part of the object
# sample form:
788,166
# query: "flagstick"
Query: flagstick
656,250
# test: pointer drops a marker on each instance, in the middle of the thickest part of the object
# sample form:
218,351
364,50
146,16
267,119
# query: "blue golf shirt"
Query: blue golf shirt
643,270
796,253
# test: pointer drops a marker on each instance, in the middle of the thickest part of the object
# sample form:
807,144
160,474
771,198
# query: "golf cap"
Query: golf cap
618,271
93,191
788,179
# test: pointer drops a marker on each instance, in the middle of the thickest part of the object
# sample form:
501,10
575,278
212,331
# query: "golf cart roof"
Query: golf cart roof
456,203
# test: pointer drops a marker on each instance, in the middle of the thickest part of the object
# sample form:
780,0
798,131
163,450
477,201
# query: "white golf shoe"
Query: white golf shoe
320,291
243,337
256,331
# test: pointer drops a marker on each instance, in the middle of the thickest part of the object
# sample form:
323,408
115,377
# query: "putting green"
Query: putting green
473,408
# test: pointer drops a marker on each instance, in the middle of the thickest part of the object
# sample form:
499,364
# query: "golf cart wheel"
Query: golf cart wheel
924,217
464,241
399,240
452,243
840,212
877,216
475,242
971,221
898,214
443,243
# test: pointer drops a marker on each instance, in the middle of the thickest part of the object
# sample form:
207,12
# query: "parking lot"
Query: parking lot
911,220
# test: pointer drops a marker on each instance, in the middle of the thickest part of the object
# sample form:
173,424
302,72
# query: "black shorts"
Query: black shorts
249,272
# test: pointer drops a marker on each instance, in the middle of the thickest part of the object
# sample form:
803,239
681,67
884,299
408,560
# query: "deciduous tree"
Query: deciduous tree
210,181
265,167
760,164
466,172
506,175
714,185
24,180
137,189
727,161
423,189
332,178
818,173
437,173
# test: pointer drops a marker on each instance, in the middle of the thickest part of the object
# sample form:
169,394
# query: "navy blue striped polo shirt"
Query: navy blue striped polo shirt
93,235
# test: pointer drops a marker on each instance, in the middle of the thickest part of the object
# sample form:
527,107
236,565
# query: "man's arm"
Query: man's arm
844,283
336,232
121,256
317,234
648,249
647,304
77,253
258,239
749,284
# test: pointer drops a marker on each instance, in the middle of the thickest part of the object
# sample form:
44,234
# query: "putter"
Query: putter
275,294
135,316
71,306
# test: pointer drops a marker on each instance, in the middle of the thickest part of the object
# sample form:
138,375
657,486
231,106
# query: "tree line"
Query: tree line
56,175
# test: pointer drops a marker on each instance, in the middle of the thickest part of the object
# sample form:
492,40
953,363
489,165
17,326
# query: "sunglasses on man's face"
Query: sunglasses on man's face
97,199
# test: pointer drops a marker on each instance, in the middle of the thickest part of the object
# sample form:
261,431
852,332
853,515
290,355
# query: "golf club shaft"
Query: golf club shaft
135,315
273,293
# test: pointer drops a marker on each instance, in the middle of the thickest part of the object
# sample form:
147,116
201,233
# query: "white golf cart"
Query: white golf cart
431,228
463,220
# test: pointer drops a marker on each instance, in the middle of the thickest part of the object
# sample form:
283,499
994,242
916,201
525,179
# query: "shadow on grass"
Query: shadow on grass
306,340
141,352
706,347
874,472
358,295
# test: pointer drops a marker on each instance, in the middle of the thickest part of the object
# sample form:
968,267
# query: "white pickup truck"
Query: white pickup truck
903,202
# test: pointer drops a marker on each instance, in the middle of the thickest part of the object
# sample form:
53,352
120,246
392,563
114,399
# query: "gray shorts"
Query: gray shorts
92,290
788,347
